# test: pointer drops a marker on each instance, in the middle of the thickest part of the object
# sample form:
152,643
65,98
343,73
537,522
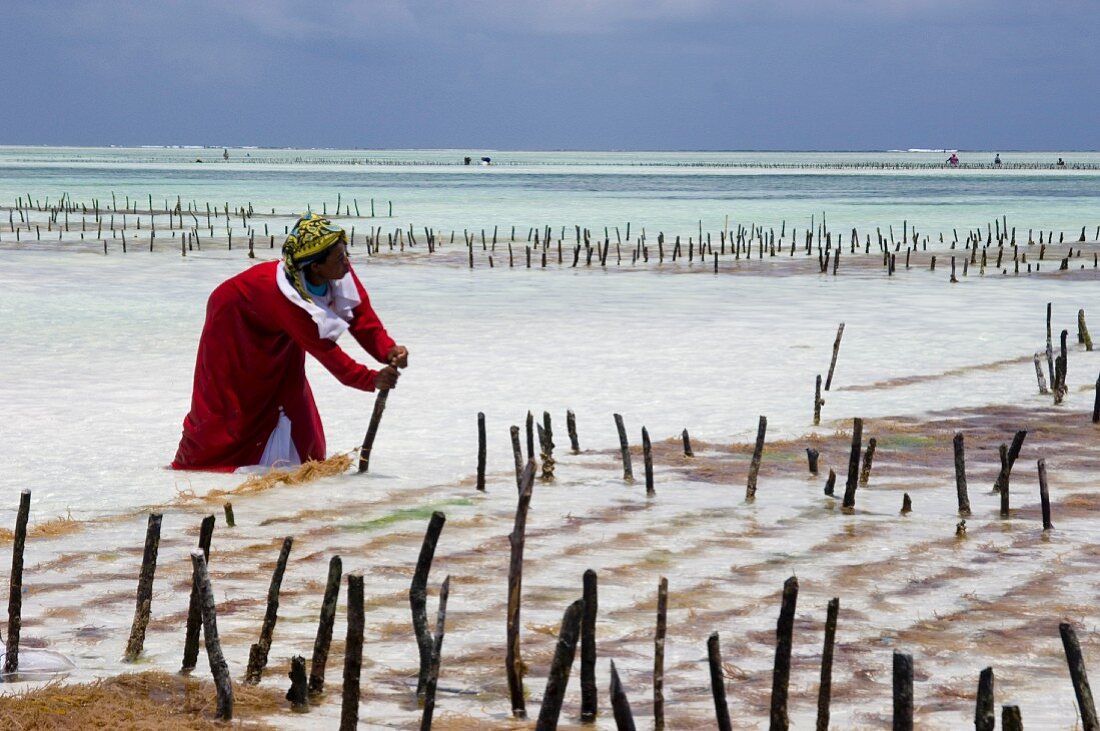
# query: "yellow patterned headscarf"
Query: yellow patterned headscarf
310,238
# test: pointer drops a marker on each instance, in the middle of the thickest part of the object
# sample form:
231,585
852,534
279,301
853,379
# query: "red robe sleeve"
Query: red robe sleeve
366,328
303,331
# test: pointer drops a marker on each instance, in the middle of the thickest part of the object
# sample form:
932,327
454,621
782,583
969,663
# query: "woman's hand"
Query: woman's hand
398,356
386,378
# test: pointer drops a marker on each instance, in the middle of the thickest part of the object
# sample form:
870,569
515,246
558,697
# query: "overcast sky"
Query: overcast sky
554,74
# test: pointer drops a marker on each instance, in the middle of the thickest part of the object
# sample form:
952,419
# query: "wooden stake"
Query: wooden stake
812,456
1010,719
960,474
647,457
624,448
984,717
687,444
437,655
853,464
718,683
513,663
257,654
589,701
145,589
825,690
1076,662
230,521
324,626
571,427
620,705
1044,495
830,482
781,673
372,430
903,692
517,454
481,451
218,667
659,655
836,351
194,609
15,584
418,597
818,401
558,679
298,695
757,454
353,655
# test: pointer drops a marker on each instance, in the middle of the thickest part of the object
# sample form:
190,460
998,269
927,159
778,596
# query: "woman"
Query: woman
251,403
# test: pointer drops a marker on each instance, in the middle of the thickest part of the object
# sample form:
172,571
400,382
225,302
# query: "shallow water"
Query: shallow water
95,380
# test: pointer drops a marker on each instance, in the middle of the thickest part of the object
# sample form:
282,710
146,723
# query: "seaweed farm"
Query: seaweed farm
804,447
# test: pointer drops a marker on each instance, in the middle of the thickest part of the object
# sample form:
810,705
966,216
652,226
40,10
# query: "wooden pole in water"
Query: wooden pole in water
687,444
530,431
298,695
1010,719
853,464
437,655
230,521
1044,495
984,717
1080,679
659,655
481,451
903,692
571,427
145,589
1006,465
624,448
620,704
513,663
418,597
718,683
15,584
960,474
647,458
558,679
257,654
372,430
194,609
868,458
353,655
825,690
589,702
818,401
324,626
218,667
757,454
836,351
781,673
517,454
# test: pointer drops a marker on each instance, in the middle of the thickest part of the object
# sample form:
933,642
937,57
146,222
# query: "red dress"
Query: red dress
251,362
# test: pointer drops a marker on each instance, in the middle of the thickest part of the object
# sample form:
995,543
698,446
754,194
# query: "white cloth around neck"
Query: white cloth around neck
331,321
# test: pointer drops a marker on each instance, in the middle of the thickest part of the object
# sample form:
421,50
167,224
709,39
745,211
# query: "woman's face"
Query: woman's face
332,267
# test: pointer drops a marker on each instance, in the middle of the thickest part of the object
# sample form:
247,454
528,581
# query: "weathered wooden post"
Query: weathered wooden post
418,597
194,610
571,427
558,679
589,701
353,655
659,655
830,482
718,683
298,694
517,455
984,717
513,662
836,351
903,692
687,444
372,430
257,654
812,456
620,704
1076,662
145,589
230,521
853,464
960,474
825,689
15,584
624,448
818,401
218,667
647,458
1044,495
1010,719
781,674
481,451
757,454
437,656
324,627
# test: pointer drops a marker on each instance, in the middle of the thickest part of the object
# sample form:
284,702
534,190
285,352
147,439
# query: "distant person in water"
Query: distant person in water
251,403
225,154
953,161
1061,163
997,159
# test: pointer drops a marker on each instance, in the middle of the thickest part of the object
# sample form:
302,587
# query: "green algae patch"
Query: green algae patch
405,514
